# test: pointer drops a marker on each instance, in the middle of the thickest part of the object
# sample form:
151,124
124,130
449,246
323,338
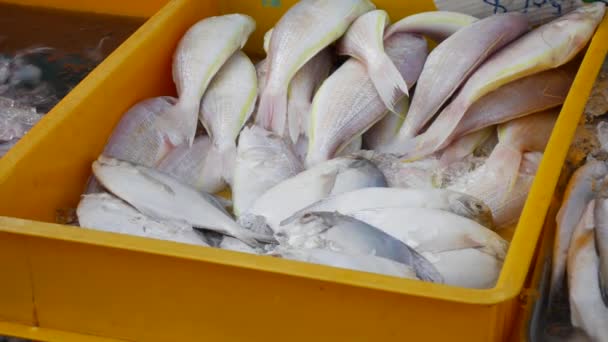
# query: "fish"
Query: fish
304,30
378,197
600,217
108,213
530,133
387,128
365,263
535,93
437,25
333,177
546,47
347,104
193,166
162,197
454,60
464,146
587,309
364,41
226,107
263,160
506,208
301,90
433,230
339,233
199,55
527,134
581,189
139,137
399,174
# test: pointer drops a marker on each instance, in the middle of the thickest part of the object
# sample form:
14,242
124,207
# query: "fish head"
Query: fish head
472,208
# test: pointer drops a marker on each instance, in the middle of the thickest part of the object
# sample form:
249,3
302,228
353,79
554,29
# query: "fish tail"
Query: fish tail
93,186
424,269
496,247
388,81
179,124
272,112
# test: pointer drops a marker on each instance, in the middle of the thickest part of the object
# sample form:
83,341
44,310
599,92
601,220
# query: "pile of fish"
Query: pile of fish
572,303
580,259
331,154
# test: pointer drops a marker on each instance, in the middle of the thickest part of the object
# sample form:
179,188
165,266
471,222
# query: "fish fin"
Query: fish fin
178,124
93,186
272,112
251,238
496,247
424,268
463,147
388,81
291,218
504,164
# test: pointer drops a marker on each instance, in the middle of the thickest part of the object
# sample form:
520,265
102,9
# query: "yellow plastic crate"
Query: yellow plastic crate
70,284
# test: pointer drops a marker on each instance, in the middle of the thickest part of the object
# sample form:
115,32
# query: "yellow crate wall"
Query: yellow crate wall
90,283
